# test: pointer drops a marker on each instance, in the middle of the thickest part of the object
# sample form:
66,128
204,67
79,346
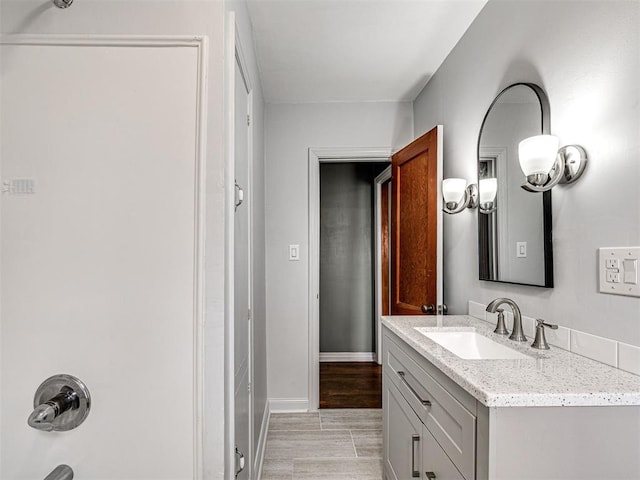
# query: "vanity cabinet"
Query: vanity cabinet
433,428
429,422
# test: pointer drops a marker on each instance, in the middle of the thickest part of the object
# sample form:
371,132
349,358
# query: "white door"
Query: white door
97,255
242,292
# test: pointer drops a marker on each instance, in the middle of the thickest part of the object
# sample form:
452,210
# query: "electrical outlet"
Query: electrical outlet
618,270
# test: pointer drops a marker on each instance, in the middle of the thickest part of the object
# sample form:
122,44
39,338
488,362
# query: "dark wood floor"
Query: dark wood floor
350,385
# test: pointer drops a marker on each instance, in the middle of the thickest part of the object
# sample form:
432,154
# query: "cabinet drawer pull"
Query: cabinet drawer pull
414,439
426,403
430,475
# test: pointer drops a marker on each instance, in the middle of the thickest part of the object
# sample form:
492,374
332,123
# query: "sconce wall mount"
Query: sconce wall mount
458,195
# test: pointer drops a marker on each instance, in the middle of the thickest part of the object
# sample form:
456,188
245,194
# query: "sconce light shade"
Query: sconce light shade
453,190
545,165
488,190
538,154
458,196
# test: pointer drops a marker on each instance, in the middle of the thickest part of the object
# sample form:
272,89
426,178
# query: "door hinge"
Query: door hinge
248,387
248,120
249,314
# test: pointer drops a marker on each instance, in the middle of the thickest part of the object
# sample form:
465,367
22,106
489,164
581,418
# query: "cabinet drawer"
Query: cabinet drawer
450,423
435,463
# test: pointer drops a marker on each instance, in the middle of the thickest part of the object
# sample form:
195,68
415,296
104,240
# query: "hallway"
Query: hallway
329,444
350,385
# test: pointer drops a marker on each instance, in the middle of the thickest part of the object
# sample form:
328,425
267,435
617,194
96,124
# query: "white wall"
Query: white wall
586,55
290,130
142,17
98,264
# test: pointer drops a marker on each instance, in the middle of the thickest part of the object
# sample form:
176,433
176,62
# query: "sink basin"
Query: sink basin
471,345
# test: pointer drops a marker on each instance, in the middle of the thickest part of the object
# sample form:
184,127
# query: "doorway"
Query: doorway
349,374
380,156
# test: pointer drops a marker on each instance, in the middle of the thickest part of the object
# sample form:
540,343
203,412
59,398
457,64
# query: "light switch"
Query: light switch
521,249
630,269
618,270
294,253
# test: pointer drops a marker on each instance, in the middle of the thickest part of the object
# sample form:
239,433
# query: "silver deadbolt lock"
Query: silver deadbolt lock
61,403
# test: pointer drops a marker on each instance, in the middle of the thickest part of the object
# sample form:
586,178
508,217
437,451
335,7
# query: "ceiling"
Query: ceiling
354,50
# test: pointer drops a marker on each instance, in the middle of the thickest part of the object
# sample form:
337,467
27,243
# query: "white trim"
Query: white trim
229,310
348,356
246,78
201,44
199,300
104,40
288,405
316,156
262,442
384,177
440,230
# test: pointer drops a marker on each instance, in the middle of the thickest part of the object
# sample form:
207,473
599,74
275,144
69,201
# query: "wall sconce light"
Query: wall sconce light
545,166
458,196
488,189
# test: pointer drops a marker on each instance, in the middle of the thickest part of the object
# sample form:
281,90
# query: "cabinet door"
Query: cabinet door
435,463
402,435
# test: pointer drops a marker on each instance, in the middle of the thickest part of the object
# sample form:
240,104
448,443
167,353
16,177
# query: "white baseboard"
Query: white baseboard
288,405
347,356
262,442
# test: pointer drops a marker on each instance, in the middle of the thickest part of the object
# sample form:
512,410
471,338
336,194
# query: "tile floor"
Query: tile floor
329,444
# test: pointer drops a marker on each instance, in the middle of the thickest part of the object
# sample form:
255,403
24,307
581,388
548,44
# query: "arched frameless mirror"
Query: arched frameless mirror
515,230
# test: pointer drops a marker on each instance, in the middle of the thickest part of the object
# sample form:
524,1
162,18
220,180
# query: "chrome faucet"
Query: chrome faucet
44,414
518,334
61,403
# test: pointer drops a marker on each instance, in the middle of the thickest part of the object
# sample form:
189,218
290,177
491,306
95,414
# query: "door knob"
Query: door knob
239,196
239,462
428,309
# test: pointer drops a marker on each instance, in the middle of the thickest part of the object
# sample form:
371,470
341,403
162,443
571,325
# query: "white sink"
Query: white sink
471,345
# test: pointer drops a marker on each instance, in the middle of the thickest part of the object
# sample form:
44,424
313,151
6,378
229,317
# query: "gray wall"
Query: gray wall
291,129
346,256
586,55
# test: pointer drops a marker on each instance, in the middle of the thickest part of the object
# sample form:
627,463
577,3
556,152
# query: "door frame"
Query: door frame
234,54
381,179
316,157
498,155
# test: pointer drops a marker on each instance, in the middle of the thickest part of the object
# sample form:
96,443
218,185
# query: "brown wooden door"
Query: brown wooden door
414,227
385,247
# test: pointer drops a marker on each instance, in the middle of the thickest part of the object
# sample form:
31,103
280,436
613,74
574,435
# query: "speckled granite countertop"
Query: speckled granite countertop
549,378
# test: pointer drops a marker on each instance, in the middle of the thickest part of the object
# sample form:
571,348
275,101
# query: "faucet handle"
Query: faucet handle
540,341
501,328
540,322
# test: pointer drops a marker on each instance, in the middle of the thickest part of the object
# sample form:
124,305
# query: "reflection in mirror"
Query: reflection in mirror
514,226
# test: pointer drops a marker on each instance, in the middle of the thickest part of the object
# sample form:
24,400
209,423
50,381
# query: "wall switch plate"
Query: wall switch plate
521,249
618,270
294,253
19,186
